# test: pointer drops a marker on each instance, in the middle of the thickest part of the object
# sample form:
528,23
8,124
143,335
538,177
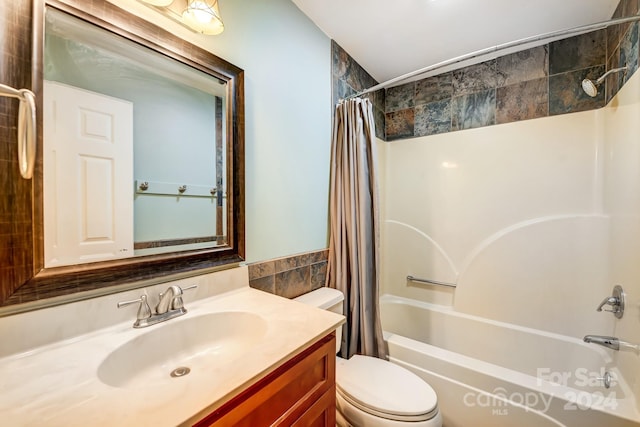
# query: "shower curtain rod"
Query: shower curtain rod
496,48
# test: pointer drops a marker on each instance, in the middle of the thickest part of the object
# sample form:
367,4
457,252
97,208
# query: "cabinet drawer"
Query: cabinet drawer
286,394
320,414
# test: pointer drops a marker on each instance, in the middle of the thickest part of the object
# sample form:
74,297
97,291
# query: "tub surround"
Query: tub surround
501,211
534,220
49,369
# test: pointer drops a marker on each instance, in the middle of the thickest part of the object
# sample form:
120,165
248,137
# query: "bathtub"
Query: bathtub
489,373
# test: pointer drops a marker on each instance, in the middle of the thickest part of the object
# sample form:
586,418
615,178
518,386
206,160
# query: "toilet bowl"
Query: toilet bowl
372,392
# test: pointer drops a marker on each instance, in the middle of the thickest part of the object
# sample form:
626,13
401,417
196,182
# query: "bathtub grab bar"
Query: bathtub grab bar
431,282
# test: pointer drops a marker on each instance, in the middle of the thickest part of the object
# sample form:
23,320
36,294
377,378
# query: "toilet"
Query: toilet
372,392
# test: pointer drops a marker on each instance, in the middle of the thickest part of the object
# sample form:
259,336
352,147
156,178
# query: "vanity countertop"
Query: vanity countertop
57,384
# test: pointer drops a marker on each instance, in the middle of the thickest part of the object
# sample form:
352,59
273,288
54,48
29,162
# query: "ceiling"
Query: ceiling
395,37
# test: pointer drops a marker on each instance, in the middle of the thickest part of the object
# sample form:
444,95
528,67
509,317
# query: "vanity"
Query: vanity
239,356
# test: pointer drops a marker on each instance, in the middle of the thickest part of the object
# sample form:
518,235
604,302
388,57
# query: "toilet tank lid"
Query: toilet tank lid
322,298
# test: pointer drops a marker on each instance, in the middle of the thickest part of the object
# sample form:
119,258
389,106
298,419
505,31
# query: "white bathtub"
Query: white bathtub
489,373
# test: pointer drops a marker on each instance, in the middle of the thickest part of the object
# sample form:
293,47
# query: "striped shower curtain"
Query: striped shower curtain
354,256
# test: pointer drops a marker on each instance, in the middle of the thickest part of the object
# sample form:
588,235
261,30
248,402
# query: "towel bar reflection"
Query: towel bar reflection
176,189
431,282
26,128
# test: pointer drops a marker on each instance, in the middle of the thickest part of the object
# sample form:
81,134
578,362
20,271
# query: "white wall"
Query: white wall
287,63
622,203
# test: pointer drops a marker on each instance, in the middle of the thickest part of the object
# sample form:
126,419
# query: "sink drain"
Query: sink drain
180,372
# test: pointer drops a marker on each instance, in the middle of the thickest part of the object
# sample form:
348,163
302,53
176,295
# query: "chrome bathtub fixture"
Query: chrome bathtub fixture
616,301
606,379
170,305
609,342
591,88
612,343
430,282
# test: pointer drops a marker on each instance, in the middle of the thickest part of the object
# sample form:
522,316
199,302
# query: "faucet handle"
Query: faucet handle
144,311
177,301
606,379
612,301
616,301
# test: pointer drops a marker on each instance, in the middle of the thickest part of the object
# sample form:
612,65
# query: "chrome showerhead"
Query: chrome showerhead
591,88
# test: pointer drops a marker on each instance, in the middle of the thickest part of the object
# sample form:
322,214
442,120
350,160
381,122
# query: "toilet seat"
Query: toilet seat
393,392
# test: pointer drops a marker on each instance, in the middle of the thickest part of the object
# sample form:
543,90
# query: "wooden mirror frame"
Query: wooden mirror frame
51,286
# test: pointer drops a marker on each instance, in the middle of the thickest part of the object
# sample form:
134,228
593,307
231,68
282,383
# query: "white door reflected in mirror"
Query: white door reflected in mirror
88,198
94,208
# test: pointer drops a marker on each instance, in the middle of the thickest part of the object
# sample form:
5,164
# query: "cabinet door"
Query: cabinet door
299,392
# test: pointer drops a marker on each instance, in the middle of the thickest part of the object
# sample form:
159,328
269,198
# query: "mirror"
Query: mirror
189,93
112,105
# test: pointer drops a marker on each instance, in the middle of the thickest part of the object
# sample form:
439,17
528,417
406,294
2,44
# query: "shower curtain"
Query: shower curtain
354,264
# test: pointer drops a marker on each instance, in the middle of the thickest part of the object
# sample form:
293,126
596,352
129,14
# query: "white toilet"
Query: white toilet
372,392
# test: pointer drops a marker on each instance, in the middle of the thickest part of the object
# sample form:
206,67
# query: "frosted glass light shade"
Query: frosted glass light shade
203,16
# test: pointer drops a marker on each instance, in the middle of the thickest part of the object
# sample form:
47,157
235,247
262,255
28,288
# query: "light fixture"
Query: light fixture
202,16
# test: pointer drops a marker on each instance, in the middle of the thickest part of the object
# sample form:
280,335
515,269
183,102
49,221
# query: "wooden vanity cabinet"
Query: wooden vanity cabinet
300,392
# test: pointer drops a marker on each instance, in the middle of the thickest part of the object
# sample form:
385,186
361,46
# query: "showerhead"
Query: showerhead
591,88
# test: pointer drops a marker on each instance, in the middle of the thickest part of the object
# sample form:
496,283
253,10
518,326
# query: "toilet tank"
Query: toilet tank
326,299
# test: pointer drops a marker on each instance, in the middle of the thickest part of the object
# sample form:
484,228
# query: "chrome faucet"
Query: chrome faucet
612,343
170,305
609,342
169,298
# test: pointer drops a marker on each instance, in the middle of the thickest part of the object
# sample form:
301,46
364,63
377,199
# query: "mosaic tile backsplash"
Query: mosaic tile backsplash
537,82
291,276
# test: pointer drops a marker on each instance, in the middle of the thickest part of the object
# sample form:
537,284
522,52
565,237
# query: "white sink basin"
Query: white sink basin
159,355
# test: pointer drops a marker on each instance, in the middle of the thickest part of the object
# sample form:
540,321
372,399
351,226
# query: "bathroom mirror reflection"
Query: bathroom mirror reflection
185,149
133,148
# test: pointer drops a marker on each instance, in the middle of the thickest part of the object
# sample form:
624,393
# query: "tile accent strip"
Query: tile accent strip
291,276
537,82
348,77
